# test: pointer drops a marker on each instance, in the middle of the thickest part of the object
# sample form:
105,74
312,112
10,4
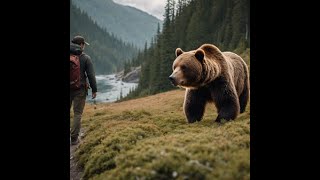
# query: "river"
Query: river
109,89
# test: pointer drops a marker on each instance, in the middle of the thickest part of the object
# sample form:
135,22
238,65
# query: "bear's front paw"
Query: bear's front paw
218,119
191,120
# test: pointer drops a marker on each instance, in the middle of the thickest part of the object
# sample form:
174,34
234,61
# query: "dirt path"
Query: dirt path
75,172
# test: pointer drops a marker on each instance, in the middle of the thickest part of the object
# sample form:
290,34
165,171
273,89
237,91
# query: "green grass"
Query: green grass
149,138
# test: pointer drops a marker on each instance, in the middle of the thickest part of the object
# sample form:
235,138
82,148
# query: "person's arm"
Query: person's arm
91,76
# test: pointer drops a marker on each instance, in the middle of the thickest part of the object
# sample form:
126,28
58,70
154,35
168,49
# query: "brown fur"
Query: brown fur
210,75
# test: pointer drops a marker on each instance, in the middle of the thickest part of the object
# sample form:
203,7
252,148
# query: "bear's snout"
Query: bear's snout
173,80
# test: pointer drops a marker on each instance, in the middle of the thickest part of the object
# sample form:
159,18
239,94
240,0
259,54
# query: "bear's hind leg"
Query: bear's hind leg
244,98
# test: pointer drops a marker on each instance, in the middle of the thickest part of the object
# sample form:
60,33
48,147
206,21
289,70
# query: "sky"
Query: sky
153,7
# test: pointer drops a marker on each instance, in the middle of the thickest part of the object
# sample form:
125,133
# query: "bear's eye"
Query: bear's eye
183,67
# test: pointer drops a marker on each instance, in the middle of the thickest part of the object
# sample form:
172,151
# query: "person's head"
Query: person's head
75,49
80,41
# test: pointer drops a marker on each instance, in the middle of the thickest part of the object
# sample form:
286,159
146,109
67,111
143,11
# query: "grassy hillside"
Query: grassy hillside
148,138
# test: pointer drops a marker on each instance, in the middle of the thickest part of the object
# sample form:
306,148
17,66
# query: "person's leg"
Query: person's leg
78,106
71,99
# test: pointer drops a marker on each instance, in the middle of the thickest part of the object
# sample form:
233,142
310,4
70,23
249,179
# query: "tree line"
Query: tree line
188,24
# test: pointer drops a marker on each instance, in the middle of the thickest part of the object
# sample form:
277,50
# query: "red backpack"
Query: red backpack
74,72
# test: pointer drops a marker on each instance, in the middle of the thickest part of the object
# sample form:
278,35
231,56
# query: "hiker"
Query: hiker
78,93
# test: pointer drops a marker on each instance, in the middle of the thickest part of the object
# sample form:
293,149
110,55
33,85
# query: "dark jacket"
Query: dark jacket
86,70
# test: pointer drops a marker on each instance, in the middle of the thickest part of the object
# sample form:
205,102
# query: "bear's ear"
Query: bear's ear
199,54
178,52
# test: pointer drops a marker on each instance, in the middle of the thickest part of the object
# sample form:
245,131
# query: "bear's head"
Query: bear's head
188,68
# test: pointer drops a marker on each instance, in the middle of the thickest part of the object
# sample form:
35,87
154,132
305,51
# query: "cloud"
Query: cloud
153,7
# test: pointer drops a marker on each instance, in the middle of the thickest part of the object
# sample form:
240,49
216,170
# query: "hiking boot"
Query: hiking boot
75,142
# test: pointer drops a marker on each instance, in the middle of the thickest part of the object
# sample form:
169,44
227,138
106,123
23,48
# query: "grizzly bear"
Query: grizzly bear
210,75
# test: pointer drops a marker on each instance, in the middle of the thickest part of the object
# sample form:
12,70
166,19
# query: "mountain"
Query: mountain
106,51
128,23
